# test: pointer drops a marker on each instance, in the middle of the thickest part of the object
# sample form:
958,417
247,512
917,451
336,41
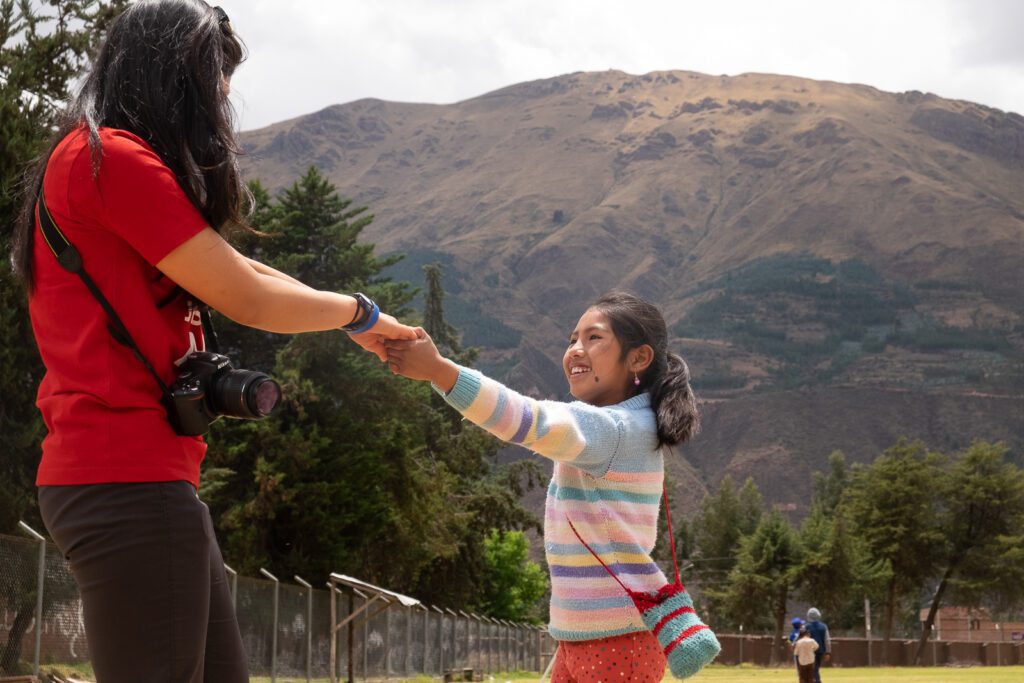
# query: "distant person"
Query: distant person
819,631
633,398
805,649
798,625
141,179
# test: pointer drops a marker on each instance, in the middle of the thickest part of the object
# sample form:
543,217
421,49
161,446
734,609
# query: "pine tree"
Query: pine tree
765,574
982,515
361,472
724,520
894,506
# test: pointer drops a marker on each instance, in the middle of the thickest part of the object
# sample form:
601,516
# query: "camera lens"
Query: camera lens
265,394
245,393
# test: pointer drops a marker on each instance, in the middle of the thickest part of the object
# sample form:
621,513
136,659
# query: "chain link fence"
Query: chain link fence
396,642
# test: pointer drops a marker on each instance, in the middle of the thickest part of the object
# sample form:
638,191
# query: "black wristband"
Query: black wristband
364,309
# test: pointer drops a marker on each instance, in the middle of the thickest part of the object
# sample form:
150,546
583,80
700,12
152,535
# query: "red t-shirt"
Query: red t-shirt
100,405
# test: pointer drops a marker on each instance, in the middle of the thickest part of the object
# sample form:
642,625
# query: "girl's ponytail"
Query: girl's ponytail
636,322
674,403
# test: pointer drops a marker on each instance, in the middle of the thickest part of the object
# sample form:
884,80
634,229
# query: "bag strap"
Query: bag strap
671,538
597,557
70,260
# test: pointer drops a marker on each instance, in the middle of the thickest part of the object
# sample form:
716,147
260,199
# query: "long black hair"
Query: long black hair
162,74
636,322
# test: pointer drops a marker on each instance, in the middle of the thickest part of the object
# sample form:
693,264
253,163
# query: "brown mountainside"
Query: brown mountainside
841,265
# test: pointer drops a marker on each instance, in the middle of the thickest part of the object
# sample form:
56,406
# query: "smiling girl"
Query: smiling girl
633,398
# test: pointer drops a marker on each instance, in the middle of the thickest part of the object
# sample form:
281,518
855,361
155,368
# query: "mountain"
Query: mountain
840,265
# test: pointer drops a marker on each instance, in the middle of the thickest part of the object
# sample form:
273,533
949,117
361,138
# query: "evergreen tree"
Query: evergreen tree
42,48
982,516
764,576
361,472
894,505
724,520
836,571
444,335
828,488
491,494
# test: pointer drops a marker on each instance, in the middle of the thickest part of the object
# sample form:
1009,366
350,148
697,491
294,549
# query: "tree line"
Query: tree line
914,529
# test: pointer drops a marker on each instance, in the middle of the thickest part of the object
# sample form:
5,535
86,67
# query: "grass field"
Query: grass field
742,674
979,674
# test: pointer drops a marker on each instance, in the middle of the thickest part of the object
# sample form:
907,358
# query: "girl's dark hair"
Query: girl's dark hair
636,322
161,74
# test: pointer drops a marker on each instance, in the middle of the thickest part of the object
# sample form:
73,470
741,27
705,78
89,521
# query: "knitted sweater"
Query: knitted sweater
608,480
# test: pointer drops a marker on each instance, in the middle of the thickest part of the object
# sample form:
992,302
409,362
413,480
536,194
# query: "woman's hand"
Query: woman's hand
385,328
420,359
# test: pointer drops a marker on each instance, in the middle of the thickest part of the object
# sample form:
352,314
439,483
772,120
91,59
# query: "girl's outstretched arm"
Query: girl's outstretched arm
577,433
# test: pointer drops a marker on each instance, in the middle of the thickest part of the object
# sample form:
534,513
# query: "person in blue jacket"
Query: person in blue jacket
819,631
798,623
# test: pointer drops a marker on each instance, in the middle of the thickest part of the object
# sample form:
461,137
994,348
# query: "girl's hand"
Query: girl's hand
420,359
384,329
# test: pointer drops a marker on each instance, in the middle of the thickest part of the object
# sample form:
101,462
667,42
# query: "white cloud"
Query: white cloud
308,54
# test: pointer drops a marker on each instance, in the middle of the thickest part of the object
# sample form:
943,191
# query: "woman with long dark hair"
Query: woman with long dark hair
141,180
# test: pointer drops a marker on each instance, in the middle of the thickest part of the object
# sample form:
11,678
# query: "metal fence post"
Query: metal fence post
494,651
540,648
469,641
520,648
273,640
502,645
350,639
408,643
440,642
455,639
332,660
387,640
234,587
366,641
40,581
309,627
426,637
509,646
479,643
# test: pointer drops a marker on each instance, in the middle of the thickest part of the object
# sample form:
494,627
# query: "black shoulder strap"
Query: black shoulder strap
70,260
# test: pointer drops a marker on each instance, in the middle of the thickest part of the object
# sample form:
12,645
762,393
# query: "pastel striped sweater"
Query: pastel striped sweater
608,480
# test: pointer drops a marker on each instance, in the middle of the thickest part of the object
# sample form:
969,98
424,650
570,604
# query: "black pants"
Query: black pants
154,591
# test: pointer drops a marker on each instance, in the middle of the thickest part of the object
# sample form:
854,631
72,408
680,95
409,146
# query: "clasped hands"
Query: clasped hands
409,352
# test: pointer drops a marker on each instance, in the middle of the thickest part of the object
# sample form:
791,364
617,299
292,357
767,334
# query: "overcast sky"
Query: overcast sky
308,54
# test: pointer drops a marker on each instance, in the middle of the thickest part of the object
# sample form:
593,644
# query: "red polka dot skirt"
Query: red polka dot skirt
630,657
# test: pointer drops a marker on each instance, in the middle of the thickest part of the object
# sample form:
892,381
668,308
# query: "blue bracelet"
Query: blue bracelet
370,322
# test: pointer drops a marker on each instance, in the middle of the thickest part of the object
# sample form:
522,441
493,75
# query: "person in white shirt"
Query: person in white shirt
804,649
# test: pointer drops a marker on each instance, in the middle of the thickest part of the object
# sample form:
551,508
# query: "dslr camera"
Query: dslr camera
207,387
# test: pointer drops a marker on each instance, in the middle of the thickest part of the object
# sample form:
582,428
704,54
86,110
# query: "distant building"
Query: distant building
969,623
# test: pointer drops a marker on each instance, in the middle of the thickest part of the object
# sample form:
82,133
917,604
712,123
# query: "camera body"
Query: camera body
208,387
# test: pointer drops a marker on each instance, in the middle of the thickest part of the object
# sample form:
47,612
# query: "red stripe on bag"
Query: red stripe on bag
683,636
669,617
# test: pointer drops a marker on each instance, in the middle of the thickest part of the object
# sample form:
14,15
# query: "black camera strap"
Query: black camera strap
70,260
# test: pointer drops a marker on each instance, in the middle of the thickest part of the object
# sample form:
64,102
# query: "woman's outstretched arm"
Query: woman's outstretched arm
212,270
